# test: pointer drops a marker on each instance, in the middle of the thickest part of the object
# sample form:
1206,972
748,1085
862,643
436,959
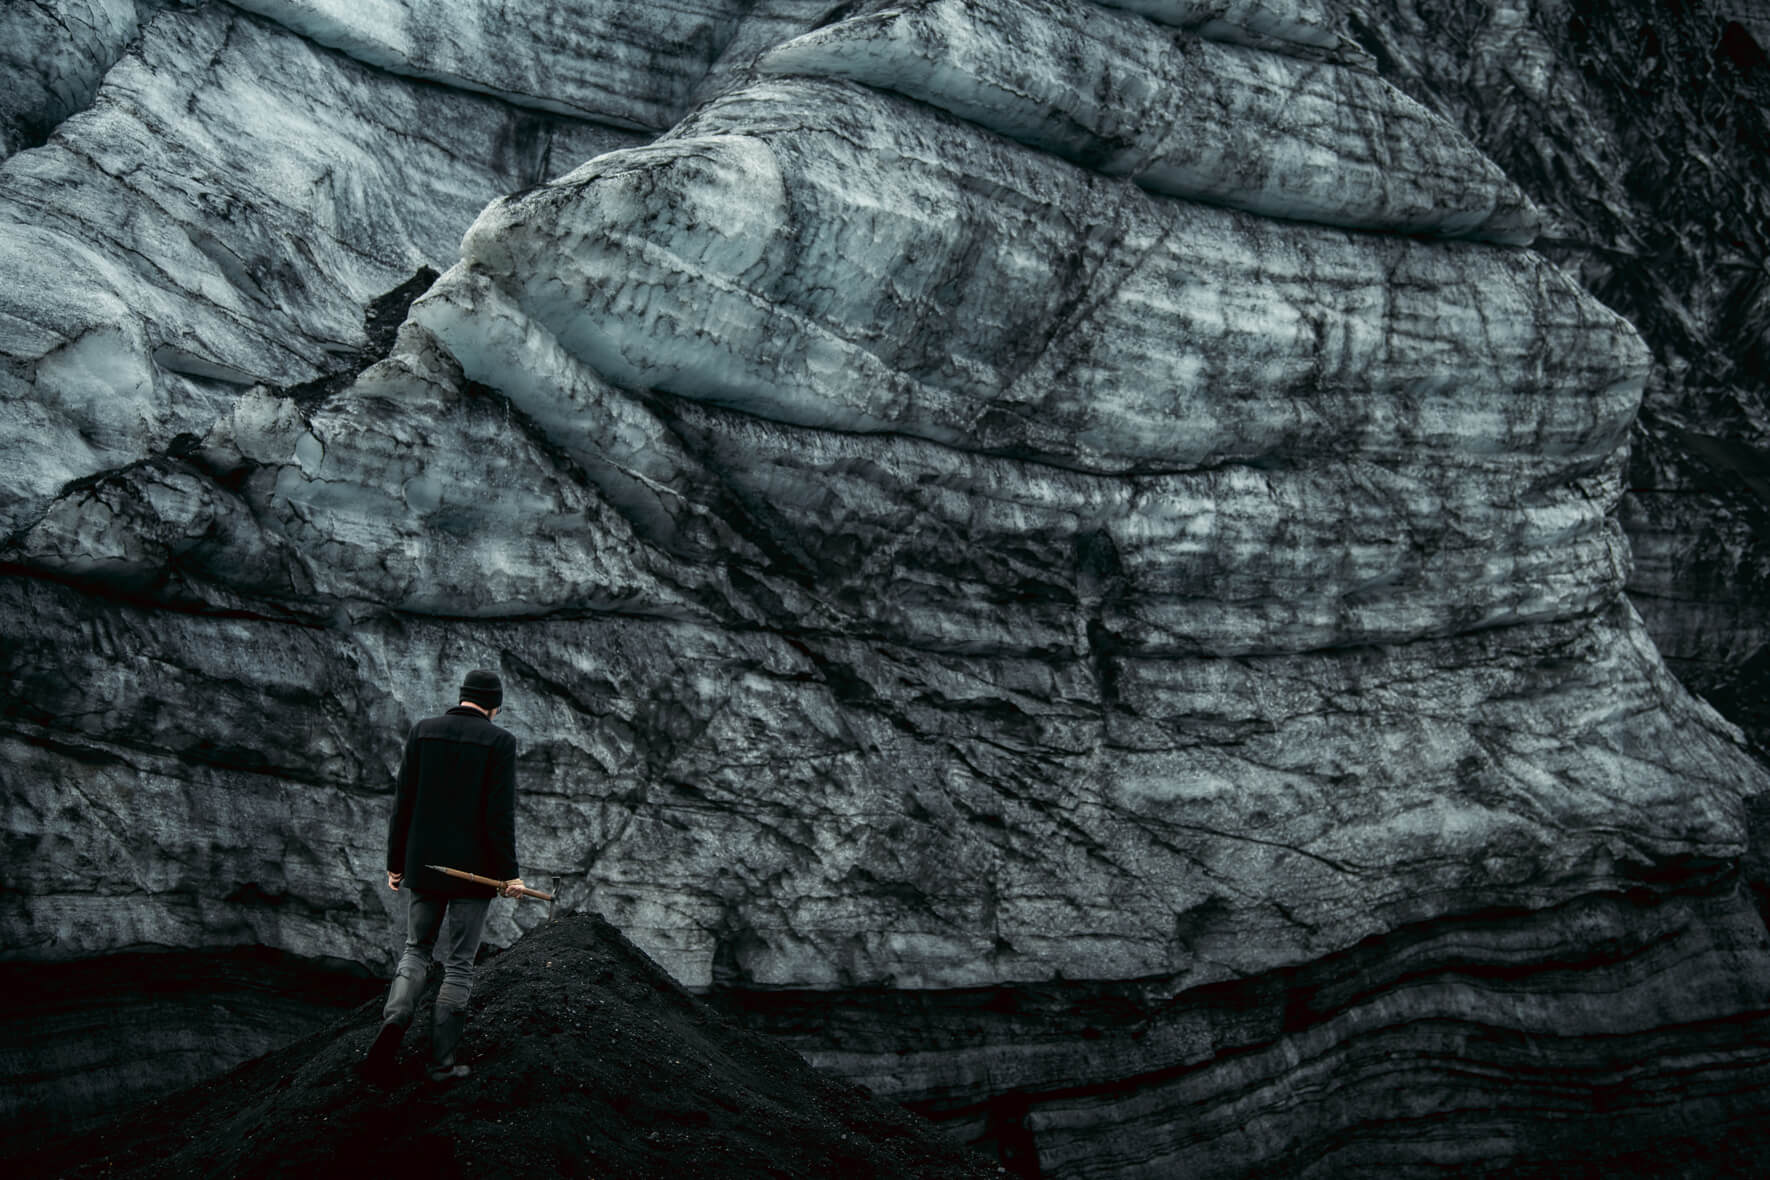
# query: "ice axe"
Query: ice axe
525,891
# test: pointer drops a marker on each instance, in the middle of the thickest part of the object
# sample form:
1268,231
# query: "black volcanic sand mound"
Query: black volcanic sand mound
588,1060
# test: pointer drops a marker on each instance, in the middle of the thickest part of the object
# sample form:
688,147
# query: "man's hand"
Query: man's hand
513,887
393,879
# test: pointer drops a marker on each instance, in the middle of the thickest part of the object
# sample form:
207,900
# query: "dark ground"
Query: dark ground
588,1060
83,1039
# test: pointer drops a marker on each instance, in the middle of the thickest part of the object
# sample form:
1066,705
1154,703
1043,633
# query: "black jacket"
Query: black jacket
456,804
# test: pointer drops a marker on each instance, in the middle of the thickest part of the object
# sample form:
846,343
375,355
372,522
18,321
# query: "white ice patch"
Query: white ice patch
104,383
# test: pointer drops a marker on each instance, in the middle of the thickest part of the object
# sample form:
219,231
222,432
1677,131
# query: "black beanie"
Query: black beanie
483,688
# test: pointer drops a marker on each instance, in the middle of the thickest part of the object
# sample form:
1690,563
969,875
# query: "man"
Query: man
456,807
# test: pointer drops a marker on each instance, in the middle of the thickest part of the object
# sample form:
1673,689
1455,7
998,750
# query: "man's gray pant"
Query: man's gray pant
436,923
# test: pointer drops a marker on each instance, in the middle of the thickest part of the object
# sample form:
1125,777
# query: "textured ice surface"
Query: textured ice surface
220,216
806,251
1372,548
1287,25
53,53
607,60
1259,131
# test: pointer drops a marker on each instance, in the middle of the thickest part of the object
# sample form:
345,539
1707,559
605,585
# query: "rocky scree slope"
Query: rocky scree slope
1112,634
587,1061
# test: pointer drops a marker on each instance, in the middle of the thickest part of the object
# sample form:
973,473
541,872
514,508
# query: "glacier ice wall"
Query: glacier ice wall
1063,557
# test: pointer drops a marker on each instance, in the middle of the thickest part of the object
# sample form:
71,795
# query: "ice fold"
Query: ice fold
806,250
1185,116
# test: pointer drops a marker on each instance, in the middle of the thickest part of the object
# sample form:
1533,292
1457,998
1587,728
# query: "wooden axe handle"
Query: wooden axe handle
525,891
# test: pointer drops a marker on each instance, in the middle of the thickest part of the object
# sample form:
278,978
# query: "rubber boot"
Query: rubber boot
402,998
445,1034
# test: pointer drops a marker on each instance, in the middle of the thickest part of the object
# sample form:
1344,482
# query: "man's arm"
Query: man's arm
405,798
500,820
